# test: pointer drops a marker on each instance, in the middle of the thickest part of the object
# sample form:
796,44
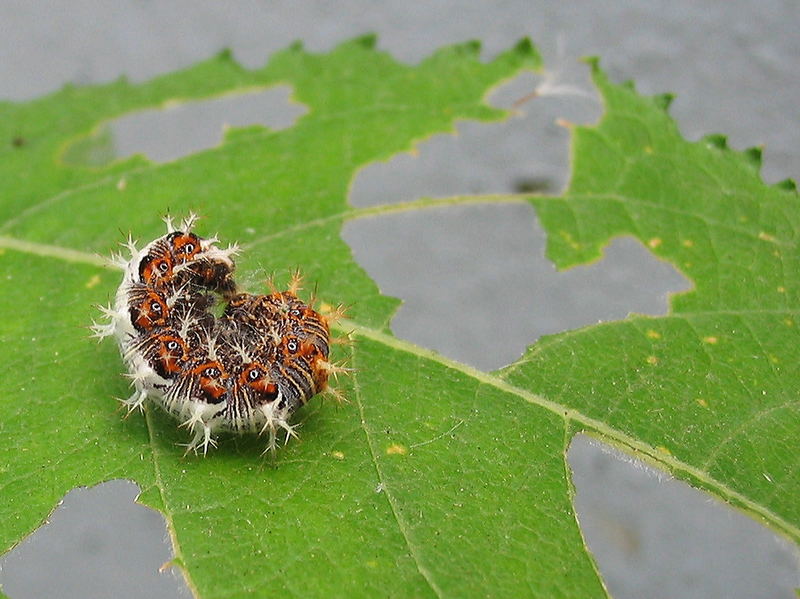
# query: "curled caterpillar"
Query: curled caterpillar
246,371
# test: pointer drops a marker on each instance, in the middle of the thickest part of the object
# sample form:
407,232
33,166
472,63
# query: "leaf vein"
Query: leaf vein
426,575
167,511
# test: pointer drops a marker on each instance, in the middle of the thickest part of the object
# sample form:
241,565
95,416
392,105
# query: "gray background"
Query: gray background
734,68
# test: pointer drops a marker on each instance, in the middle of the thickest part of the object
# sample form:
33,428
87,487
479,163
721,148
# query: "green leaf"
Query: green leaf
436,479
711,390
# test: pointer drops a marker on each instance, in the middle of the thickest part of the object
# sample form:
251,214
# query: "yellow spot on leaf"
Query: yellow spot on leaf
338,455
711,340
93,282
654,242
396,449
687,243
788,322
653,334
764,236
774,359
652,360
122,184
648,149
702,402
781,289
663,449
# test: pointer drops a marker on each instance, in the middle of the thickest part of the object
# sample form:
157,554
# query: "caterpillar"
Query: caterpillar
245,371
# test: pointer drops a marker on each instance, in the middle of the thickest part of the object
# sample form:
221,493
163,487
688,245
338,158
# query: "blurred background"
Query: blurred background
734,68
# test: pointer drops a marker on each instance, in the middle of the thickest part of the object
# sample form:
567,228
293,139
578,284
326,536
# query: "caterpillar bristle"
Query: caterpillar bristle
336,395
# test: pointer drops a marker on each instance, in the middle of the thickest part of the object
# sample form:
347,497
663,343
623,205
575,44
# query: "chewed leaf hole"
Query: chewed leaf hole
478,288
526,153
685,544
97,543
182,128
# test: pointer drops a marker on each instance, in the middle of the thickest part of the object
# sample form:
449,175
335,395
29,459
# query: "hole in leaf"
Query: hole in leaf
183,128
97,543
477,287
684,543
526,153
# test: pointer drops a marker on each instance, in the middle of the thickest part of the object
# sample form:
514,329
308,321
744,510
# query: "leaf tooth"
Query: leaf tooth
471,47
593,61
716,140
367,40
664,100
525,47
753,156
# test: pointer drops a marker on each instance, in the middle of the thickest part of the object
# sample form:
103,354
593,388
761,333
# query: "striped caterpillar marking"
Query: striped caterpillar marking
245,372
